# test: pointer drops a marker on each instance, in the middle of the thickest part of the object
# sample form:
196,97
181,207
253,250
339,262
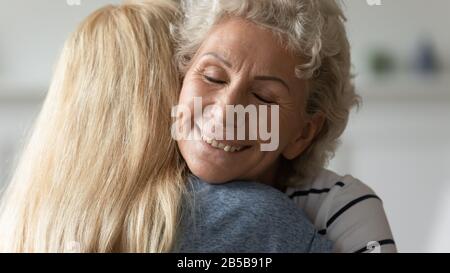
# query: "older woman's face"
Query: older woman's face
240,63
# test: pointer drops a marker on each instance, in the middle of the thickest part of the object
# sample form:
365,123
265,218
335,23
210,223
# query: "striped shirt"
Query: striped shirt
346,211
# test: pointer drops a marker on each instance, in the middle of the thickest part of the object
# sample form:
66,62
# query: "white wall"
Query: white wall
31,36
399,142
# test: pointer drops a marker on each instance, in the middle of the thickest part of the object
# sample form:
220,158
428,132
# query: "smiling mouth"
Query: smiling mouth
222,146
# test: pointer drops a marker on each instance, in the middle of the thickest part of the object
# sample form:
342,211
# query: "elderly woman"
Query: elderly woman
293,54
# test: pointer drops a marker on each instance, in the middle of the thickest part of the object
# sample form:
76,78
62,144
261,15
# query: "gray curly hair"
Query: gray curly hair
313,29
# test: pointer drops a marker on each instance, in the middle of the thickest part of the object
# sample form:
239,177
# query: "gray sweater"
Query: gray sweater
244,217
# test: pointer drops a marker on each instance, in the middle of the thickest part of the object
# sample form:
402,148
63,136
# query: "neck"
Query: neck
274,176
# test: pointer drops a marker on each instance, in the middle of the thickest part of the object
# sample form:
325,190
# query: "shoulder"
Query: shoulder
325,182
241,198
328,190
345,209
239,194
241,206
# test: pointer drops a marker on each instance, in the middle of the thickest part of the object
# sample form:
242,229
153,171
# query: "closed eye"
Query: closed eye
262,99
213,80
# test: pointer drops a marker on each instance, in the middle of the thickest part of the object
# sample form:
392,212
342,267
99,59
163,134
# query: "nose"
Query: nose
234,95
231,96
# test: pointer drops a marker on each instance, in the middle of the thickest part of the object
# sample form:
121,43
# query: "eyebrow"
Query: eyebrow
260,78
220,58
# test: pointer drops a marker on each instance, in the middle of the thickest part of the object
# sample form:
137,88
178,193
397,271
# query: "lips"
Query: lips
221,145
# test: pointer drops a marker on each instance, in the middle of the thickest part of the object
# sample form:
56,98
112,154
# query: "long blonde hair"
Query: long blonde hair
101,171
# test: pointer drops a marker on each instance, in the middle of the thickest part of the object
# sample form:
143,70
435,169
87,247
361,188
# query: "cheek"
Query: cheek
192,87
185,94
291,123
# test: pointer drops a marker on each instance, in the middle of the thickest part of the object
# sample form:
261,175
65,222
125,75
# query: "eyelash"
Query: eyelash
262,99
215,81
212,80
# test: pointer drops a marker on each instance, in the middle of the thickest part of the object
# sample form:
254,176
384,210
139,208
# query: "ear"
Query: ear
301,141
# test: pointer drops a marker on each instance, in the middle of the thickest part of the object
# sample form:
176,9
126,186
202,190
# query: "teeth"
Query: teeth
218,145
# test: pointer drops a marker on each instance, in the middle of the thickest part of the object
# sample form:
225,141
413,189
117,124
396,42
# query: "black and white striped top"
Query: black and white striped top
346,211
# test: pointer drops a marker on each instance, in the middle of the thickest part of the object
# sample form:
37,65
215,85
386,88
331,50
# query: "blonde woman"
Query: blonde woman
101,172
293,54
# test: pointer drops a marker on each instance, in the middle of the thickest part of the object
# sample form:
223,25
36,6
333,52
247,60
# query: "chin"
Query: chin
211,177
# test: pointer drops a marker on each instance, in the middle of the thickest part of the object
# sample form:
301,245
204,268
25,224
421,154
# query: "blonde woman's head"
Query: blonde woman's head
101,171
302,41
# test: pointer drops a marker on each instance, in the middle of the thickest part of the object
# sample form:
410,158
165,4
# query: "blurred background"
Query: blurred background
398,142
